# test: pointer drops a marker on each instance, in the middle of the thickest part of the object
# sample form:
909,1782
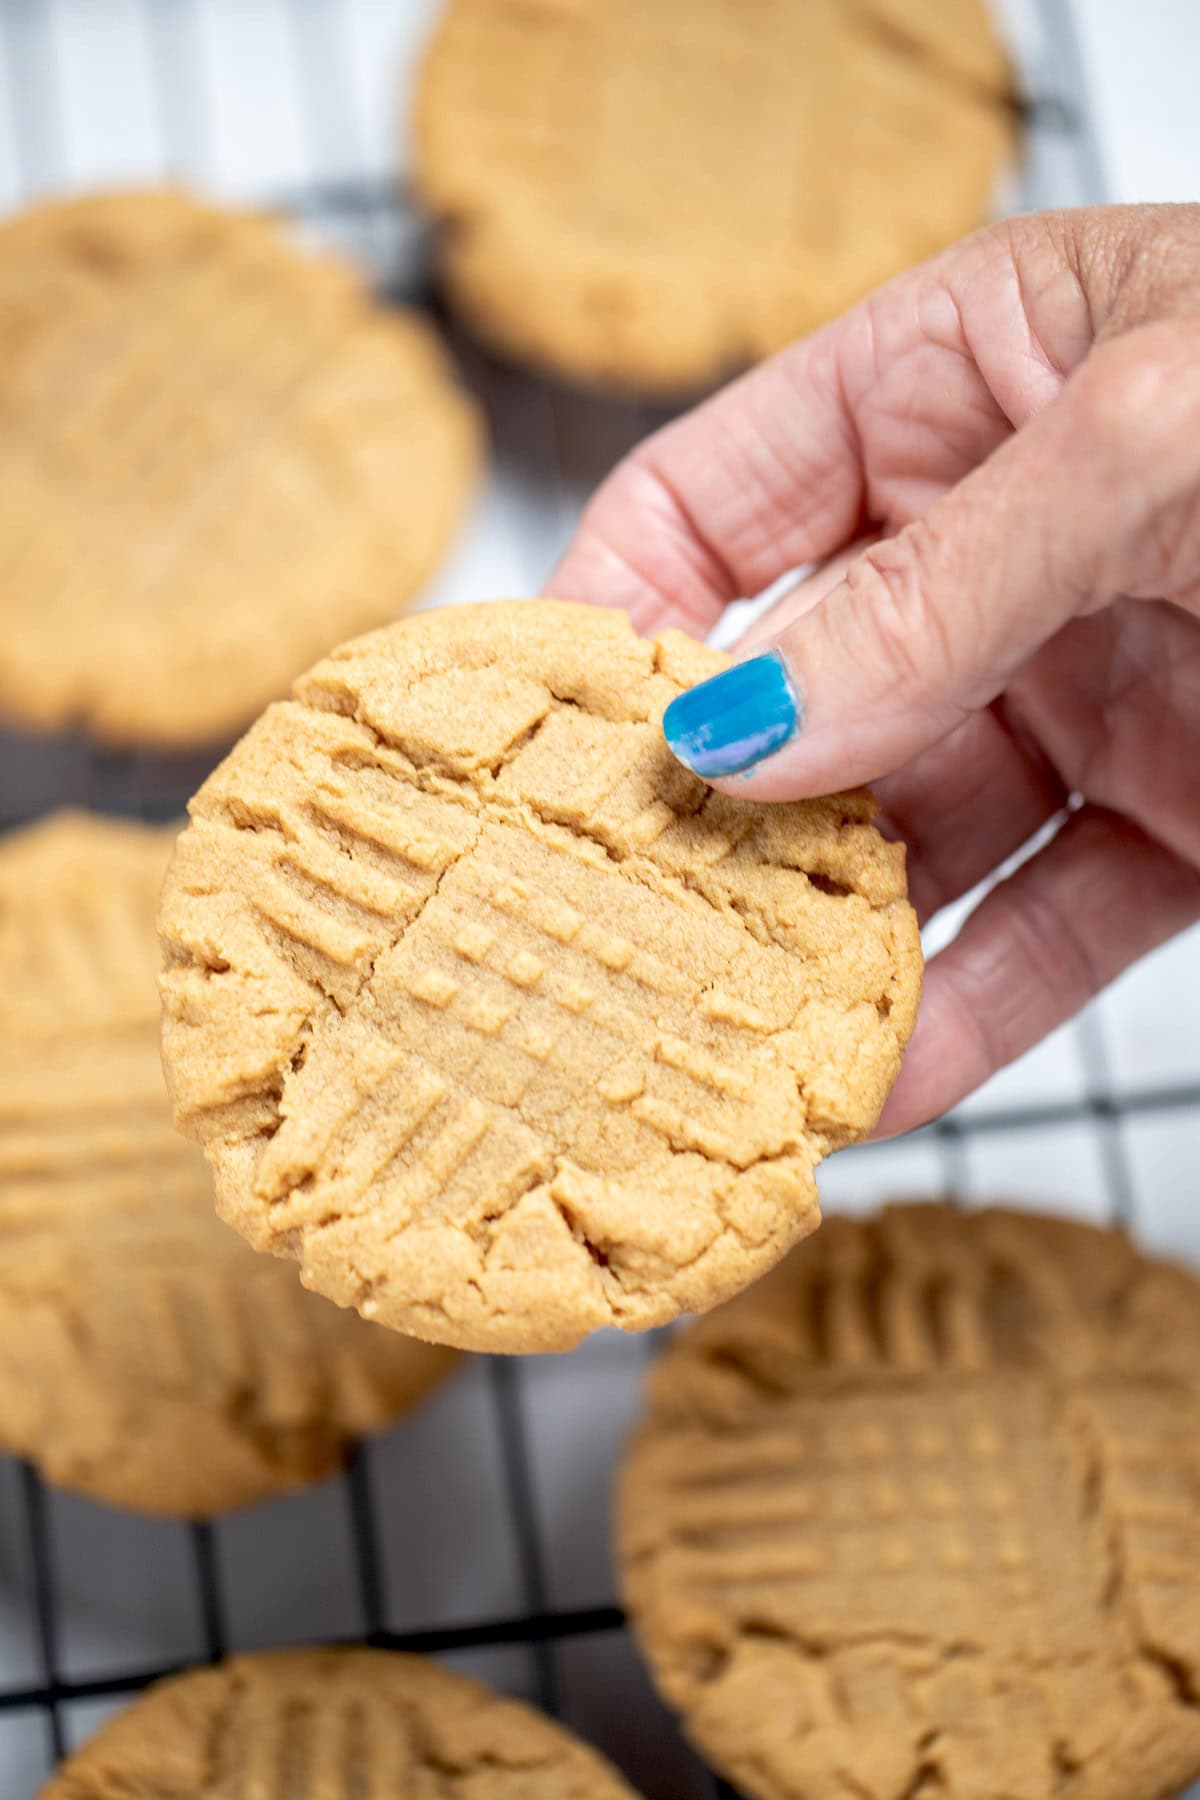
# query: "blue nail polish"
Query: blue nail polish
730,723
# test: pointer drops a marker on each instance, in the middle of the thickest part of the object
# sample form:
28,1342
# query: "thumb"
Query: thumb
930,625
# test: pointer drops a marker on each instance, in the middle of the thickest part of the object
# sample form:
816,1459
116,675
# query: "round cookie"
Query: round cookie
681,190
920,1515
217,457
499,1021
334,1724
146,1356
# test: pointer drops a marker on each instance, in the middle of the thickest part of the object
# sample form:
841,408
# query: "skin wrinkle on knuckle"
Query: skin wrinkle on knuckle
669,577
1108,244
1084,251
665,499
1070,231
857,367
1054,308
659,593
1134,410
895,625
891,319
1151,259
777,470
826,361
944,320
748,454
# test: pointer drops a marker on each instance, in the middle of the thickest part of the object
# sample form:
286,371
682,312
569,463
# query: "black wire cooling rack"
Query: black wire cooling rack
534,429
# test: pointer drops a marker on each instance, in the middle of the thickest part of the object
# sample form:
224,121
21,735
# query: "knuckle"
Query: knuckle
1132,386
1115,398
1152,257
1136,421
893,586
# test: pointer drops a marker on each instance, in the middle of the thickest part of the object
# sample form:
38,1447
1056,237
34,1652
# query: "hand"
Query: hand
1016,428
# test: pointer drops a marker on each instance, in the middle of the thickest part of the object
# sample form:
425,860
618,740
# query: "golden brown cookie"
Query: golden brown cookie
649,196
217,457
146,1356
920,1515
333,1725
497,1019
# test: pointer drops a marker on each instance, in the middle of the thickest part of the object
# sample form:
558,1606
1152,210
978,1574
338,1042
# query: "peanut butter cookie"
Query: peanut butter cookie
499,1021
649,196
338,1724
146,1356
217,457
920,1515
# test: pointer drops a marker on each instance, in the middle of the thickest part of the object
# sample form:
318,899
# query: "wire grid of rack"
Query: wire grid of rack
476,1531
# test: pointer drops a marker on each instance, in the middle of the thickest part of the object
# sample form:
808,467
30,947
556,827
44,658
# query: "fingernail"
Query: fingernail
730,723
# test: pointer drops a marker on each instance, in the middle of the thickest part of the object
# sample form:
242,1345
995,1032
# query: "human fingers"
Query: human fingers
806,592
720,503
1040,945
1095,497
867,421
967,804
964,805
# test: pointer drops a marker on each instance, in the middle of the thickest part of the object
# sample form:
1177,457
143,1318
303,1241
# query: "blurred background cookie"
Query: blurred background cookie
920,1514
500,1021
217,457
146,1356
648,197
336,1725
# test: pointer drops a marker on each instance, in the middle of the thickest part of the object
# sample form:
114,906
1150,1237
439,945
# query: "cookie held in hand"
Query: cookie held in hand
499,1021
